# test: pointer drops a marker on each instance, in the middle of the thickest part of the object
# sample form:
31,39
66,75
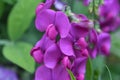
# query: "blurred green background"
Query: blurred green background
18,35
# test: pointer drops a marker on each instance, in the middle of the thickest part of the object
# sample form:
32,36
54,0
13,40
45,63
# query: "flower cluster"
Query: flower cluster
67,44
109,14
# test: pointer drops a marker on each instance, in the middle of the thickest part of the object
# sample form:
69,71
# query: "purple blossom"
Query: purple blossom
79,67
93,43
109,18
43,6
99,43
38,50
57,19
104,43
58,73
52,56
75,44
6,74
75,47
77,40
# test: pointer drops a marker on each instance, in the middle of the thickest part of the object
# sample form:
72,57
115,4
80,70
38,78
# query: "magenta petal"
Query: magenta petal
44,41
79,66
43,73
93,36
104,43
93,52
62,23
37,54
39,8
93,39
66,46
66,62
49,3
77,30
43,6
60,73
52,56
82,17
51,32
44,18
81,77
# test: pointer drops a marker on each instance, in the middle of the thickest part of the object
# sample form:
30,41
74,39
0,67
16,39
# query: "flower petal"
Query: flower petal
52,56
79,65
62,23
37,54
51,32
44,18
78,31
93,36
44,41
66,46
43,73
93,39
60,73
104,43
49,3
39,8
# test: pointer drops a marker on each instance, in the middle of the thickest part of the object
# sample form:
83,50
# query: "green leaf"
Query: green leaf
10,1
19,53
110,76
89,70
21,17
71,75
115,49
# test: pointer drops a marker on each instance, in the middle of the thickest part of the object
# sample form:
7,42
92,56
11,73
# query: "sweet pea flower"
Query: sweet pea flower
99,43
75,44
104,43
79,67
43,6
77,40
40,48
58,73
6,74
46,17
75,47
52,56
109,18
93,43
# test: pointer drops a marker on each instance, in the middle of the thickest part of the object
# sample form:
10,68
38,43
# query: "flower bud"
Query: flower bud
66,62
39,7
85,53
37,55
81,44
51,32
80,77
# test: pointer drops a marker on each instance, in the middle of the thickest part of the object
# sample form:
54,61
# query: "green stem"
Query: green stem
109,72
93,12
